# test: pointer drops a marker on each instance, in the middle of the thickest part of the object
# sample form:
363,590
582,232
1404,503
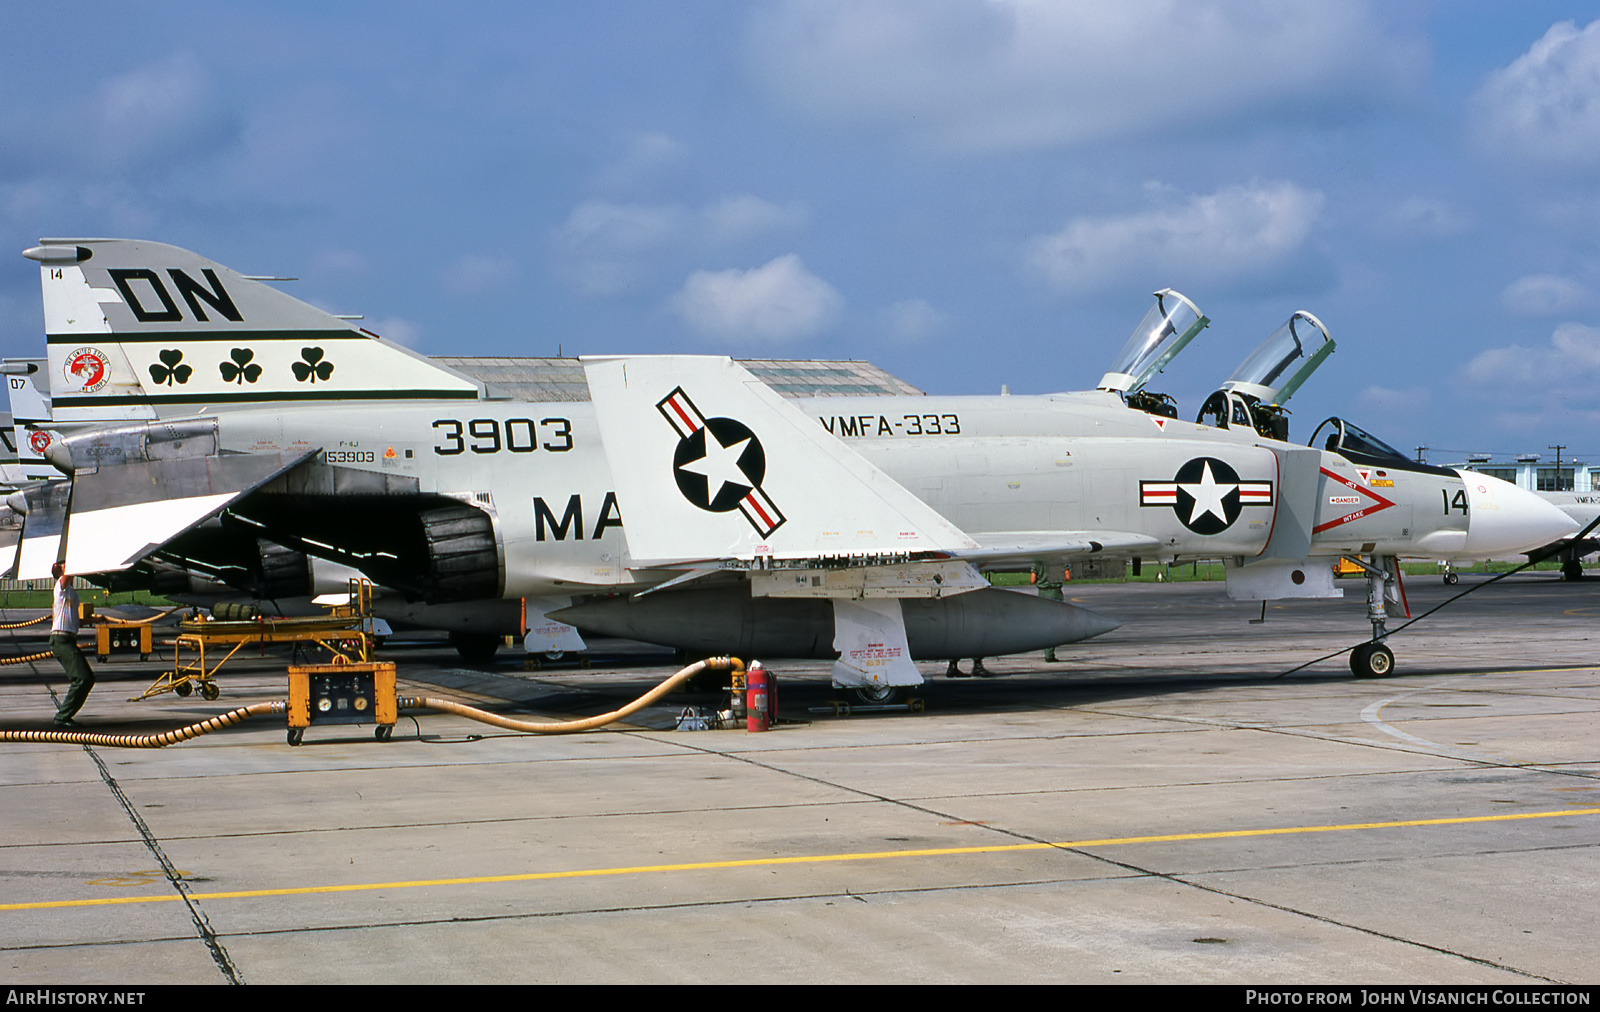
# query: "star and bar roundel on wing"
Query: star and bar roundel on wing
719,464
1206,494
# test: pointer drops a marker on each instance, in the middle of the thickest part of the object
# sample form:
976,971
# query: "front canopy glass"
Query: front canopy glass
1170,324
1359,446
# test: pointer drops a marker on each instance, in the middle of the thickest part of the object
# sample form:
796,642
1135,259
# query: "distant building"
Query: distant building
562,379
1529,471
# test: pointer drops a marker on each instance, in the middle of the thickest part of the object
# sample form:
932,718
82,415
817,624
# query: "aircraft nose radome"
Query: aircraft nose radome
1505,519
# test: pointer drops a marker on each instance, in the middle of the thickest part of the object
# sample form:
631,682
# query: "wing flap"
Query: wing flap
121,514
1002,548
44,521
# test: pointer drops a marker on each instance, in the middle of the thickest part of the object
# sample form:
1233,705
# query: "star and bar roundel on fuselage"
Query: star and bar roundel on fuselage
1206,494
719,464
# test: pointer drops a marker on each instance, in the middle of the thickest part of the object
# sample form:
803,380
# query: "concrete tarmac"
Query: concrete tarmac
1157,807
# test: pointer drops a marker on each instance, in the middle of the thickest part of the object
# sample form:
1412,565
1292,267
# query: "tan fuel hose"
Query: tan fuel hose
25,658
280,707
162,740
151,619
138,621
571,726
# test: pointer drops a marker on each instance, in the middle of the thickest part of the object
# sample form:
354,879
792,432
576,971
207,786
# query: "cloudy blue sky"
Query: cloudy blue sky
967,192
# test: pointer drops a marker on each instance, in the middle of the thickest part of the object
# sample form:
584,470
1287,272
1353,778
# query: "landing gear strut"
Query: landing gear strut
1375,659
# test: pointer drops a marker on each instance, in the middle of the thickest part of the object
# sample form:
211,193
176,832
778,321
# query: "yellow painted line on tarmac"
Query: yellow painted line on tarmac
768,862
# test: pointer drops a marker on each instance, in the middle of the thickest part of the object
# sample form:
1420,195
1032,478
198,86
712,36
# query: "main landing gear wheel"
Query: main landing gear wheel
877,695
1372,660
1451,579
1572,569
476,648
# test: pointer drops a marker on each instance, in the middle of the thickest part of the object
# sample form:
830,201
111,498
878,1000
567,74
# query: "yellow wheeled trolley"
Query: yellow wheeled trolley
346,633
354,692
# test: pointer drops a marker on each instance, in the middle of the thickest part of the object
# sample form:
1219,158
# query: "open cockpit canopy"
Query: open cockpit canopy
1170,324
1290,354
1253,396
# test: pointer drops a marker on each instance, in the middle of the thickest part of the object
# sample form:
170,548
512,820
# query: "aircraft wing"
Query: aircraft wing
44,510
999,549
10,539
111,517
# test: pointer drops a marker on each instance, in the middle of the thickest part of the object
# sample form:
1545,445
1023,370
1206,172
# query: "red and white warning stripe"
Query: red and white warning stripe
1255,493
681,413
761,511
1158,493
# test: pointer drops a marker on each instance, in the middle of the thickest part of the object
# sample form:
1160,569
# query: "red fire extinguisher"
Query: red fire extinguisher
757,698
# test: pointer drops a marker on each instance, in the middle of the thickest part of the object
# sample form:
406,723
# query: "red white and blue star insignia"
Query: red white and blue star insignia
1206,494
719,464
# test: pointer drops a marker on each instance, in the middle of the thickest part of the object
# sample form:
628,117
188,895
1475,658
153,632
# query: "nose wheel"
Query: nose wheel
1372,660
878,695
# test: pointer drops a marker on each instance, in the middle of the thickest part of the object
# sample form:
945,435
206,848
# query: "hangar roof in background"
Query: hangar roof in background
562,379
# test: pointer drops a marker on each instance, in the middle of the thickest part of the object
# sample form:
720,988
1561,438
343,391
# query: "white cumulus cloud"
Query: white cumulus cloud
606,247
1572,359
1544,107
1389,400
1009,74
1544,295
1425,218
396,329
1547,388
156,112
1241,233
647,158
911,320
737,219
776,302
476,273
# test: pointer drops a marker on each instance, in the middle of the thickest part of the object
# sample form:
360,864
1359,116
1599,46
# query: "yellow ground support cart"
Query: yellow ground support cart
342,693
346,632
123,638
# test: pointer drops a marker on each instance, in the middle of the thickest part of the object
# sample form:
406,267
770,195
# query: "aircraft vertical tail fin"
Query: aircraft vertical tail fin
710,463
141,329
30,432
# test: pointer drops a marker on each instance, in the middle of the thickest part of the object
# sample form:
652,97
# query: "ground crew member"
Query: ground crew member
1051,592
64,644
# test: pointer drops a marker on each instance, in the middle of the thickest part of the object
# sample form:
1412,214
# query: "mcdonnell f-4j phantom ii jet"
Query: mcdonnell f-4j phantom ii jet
207,420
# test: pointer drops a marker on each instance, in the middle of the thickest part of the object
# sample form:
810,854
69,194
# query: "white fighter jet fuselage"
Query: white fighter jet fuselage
208,419
1000,468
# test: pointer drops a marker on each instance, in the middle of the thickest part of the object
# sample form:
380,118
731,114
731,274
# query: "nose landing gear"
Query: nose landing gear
1385,597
